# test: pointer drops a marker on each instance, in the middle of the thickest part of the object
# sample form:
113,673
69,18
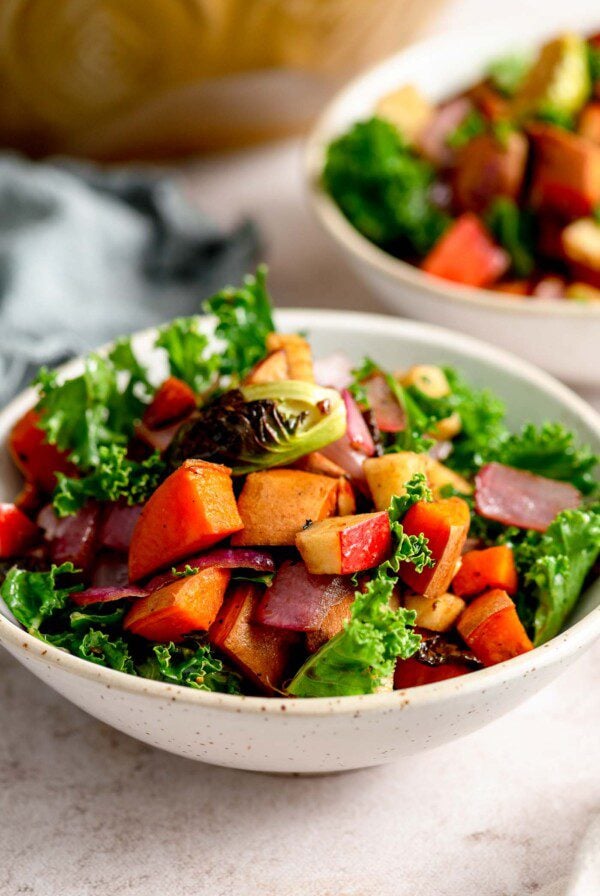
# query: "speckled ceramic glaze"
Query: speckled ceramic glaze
536,329
327,735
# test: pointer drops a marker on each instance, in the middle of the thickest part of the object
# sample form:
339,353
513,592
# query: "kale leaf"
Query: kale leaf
192,664
549,450
244,320
187,351
33,597
554,566
472,125
382,187
115,477
98,407
513,229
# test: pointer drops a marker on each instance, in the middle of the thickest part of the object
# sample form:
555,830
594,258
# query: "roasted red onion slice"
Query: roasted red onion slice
357,431
224,558
103,595
519,498
117,526
298,601
333,371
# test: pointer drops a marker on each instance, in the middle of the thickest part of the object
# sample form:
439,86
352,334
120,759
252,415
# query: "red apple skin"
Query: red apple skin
366,544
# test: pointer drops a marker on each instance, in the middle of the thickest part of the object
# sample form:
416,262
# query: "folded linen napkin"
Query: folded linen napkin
88,254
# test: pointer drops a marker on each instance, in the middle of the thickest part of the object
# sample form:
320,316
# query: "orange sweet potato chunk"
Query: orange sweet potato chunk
445,523
275,505
189,604
192,510
262,653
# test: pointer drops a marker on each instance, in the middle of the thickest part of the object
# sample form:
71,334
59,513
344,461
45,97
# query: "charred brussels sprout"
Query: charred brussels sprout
261,426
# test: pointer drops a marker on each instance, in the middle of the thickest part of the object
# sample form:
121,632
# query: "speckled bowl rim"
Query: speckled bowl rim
394,269
575,639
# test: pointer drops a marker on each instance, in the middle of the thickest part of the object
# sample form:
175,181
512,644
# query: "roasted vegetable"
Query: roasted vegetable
192,510
262,426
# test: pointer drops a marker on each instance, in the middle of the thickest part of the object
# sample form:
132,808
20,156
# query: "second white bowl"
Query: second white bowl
563,336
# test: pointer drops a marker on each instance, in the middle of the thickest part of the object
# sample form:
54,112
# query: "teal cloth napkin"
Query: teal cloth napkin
88,254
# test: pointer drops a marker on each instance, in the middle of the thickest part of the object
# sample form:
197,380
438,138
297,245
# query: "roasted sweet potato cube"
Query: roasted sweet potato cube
188,604
298,354
566,173
262,653
316,462
191,510
272,369
445,523
589,122
491,628
486,167
276,504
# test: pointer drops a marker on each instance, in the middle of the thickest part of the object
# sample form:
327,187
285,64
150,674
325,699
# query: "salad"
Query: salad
497,187
258,521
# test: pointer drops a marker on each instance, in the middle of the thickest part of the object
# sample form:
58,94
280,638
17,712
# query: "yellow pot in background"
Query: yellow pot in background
122,79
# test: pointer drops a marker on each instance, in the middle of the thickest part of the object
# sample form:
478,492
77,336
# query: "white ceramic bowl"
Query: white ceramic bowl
325,735
562,336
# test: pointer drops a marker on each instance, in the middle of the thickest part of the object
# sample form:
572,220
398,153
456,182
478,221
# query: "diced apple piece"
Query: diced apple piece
566,175
486,168
589,122
437,614
581,247
276,504
427,378
445,523
272,369
346,545
298,354
262,653
448,428
466,253
346,500
491,628
407,109
387,476
316,462
439,475
188,604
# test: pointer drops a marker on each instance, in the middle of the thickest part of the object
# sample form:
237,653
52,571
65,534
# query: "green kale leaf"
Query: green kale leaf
33,597
187,351
98,407
383,188
507,73
549,450
555,566
244,320
115,477
513,229
192,664
472,125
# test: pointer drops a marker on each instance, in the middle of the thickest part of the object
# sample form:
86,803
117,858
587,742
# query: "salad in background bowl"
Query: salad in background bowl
467,169
252,521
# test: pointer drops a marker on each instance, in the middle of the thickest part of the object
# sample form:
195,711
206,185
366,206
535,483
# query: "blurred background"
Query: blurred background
120,79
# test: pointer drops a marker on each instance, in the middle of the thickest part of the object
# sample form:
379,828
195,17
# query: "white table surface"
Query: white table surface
86,811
